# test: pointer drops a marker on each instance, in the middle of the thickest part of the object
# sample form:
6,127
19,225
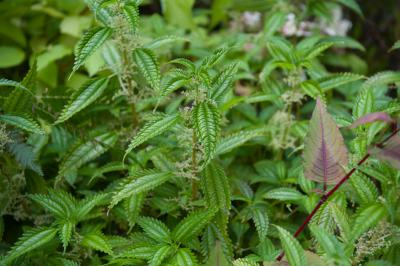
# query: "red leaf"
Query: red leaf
372,117
390,152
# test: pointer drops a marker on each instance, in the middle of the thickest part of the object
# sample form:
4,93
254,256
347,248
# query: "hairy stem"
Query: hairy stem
325,197
194,166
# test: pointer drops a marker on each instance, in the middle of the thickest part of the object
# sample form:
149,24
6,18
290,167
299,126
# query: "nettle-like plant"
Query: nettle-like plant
203,153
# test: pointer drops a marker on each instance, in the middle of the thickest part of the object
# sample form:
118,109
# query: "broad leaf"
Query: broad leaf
148,67
24,122
215,185
155,229
325,154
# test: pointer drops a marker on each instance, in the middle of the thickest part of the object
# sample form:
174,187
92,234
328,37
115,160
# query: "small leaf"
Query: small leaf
88,44
131,13
222,83
25,123
364,103
155,229
148,67
261,221
97,241
12,83
184,257
381,78
395,46
293,250
284,194
206,120
337,80
192,225
29,241
85,206
83,97
132,207
140,182
390,152
152,129
325,154
370,118
66,233
317,50
233,141
214,58
312,89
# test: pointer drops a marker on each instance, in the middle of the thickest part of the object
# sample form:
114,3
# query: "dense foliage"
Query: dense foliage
183,132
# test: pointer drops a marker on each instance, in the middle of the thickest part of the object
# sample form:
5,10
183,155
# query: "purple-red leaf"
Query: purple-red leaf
390,152
372,117
325,154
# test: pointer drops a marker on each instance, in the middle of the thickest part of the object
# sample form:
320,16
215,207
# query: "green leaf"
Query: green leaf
172,84
178,12
274,22
184,257
312,89
163,41
284,194
206,119
66,233
59,203
11,56
152,129
293,250
395,46
85,206
160,256
29,241
222,83
132,207
97,241
215,185
140,182
148,67
261,221
83,97
23,122
337,80
364,103
155,229
91,40
317,50
353,5
12,83
214,58
20,101
228,143
365,188
217,256
192,225
366,218
83,152
131,13
382,79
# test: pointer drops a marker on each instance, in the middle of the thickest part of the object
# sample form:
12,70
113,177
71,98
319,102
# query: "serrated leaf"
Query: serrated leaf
87,94
245,262
164,40
29,241
148,67
312,89
390,152
342,220
337,80
185,258
59,203
103,14
131,13
222,83
261,221
66,233
192,225
235,140
365,188
330,245
160,256
97,241
85,206
152,129
364,103
284,194
317,50
274,22
155,229
12,83
206,120
381,78
325,154
20,101
214,58
215,186
172,84
84,152
217,256
90,42
366,218
293,250
140,182
23,122
132,207
281,49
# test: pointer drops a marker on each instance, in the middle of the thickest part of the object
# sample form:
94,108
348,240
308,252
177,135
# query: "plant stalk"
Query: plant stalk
325,197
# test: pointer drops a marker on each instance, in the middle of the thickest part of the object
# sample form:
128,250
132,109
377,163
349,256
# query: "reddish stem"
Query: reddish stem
325,197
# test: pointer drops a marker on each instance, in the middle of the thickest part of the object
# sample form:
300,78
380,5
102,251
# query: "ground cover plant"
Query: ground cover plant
182,132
